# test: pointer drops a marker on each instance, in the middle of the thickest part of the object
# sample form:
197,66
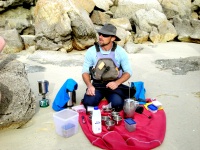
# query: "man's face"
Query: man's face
105,39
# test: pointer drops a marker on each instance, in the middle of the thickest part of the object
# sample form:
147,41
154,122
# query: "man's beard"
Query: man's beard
104,44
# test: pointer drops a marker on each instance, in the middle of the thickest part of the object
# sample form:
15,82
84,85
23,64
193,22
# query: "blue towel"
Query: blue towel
140,91
62,96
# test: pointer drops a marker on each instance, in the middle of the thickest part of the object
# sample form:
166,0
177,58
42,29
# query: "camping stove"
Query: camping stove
43,89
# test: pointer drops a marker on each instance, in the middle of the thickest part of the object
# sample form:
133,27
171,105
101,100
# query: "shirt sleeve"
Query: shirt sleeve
89,60
123,59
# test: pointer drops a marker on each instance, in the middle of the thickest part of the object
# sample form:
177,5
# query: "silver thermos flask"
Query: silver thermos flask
72,98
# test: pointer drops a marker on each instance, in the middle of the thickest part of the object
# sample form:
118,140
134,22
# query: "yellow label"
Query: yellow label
101,65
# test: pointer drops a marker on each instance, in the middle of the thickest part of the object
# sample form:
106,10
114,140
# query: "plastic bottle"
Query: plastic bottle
96,120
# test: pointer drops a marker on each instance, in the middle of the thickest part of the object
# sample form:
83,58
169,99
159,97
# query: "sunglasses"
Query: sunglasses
104,35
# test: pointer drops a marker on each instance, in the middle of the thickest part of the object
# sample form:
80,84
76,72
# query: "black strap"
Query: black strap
106,70
91,72
114,46
98,49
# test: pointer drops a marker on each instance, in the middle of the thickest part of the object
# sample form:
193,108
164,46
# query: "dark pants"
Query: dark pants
116,97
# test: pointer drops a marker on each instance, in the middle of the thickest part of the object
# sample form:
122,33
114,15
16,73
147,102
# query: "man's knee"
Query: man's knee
90,101
117,102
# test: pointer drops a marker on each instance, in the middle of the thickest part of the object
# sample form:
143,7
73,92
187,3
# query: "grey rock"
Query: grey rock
19,18
172,8
13,3
13,40
188,30
99,18
128,8
17,105
28,40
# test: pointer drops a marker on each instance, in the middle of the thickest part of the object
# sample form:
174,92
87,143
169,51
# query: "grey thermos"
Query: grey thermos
72,98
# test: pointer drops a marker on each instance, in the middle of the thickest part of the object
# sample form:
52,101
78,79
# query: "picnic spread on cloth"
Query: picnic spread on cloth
149,133
149,122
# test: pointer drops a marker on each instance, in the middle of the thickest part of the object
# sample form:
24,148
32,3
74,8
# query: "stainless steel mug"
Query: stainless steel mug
72,98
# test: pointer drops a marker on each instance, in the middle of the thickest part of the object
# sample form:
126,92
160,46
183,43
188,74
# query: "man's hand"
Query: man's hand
90,88
91,91
112,85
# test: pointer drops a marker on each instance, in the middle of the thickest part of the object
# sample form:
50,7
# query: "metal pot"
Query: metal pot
114,113
110,125
118,120
104,119
43,86
129,107
108,110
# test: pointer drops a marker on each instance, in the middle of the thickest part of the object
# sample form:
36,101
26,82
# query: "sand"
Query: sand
179,95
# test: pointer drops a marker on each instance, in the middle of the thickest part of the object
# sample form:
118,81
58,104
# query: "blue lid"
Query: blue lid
130,121
96,107
152,107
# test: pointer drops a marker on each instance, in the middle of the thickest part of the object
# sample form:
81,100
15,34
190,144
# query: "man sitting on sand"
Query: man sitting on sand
112,88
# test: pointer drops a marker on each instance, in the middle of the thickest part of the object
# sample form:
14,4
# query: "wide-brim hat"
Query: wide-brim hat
109,29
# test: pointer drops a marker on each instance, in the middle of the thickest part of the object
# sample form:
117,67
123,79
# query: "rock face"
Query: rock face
13,40
188,30
74,23
155,24
17,103
13,3
55,32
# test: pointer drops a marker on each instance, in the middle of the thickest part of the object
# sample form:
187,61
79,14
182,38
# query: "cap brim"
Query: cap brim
117,38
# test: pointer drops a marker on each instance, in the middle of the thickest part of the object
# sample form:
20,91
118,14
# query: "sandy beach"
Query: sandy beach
178,93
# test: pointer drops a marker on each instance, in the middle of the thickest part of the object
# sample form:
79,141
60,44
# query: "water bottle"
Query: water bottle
96,120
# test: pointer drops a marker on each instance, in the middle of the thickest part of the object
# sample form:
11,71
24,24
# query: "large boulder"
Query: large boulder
172,8
13,3
128,8
88,5
100,18
69,28
14,42
188,29
17,102
104,5
156,24
19,18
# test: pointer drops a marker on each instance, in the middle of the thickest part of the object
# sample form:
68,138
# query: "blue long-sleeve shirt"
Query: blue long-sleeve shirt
120,56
